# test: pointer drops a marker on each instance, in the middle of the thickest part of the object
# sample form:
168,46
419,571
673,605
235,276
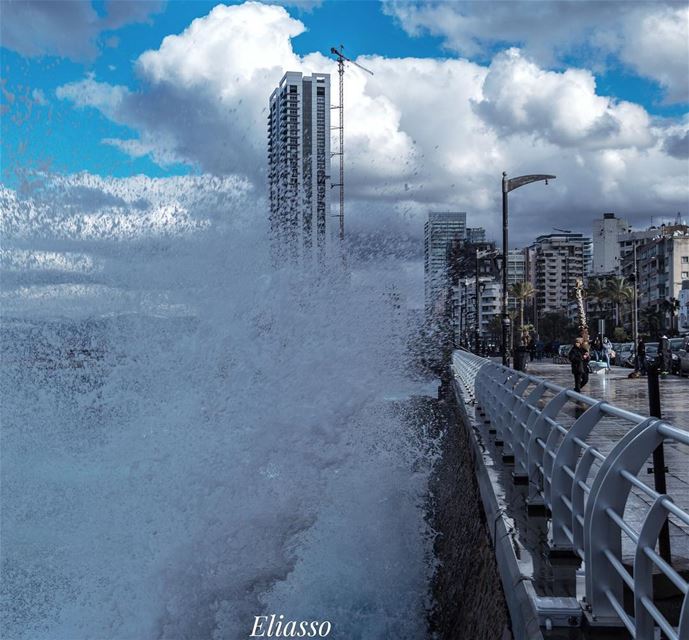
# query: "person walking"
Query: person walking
641,357
597,349
607,352
664,356
579,358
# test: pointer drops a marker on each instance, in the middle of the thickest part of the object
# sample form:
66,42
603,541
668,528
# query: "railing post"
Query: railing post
535,452
658,458
610,491
561,484
643,567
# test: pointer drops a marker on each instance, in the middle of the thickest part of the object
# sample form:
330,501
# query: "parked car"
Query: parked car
651,353
683,356
676,346
624,354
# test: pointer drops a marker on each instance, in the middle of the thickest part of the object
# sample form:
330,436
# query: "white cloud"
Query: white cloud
657,46
107,98
563,108
65,27
420,133
652,38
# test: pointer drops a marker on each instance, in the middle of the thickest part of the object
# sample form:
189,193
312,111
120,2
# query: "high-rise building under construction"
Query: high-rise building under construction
299,167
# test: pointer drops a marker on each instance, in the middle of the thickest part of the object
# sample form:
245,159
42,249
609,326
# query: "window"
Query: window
685,275
685,259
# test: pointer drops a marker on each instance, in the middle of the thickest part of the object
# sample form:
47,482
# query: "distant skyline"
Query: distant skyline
596,93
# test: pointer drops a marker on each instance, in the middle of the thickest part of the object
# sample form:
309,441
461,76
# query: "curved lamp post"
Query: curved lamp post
510,185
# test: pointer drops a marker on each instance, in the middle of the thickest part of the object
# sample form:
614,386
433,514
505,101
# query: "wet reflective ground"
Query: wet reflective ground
631,394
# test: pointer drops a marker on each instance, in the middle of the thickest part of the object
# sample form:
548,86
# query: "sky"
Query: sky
596,93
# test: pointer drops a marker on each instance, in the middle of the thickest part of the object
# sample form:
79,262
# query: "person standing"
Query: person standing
579,359
641,357
664,355
607,352
597,349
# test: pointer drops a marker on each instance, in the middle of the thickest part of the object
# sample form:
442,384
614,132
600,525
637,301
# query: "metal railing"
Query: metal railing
586,488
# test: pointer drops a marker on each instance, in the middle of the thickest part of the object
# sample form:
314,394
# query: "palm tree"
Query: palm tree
598,290
651,319
522,291
670,307
619,292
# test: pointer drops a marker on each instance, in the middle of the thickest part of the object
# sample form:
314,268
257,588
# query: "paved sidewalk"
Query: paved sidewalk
632,394
619,390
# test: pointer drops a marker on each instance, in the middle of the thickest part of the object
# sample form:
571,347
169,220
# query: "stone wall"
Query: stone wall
469,600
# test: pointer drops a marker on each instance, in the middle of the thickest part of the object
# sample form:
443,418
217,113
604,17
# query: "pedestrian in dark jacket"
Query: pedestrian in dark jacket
664,355
641,357
579,357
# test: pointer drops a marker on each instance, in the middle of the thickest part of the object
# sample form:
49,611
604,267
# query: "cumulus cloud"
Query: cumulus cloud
421,134
64,27
652,38
676,144
657,46
563,108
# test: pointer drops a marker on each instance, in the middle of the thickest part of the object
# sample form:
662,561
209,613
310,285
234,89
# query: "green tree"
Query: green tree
651,320
618,292
556,326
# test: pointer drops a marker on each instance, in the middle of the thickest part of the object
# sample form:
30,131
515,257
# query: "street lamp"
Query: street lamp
507,186
480,288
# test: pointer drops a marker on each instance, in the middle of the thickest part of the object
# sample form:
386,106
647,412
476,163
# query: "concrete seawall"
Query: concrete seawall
470,603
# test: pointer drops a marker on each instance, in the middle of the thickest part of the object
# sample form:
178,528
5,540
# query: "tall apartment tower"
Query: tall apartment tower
299,167
559,261
440,230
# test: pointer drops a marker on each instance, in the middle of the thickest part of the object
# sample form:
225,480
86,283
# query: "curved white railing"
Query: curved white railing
585,488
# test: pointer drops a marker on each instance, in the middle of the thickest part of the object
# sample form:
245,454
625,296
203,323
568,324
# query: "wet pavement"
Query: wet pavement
631,394
561,577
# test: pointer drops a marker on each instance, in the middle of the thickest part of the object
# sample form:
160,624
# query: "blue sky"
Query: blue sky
65,139
596,93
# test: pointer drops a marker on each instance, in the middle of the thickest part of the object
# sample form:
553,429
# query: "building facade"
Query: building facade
559,261
440,230
606,245
299,167
475,235
662,266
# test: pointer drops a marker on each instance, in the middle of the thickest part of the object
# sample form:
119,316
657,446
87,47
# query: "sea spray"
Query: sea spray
192,438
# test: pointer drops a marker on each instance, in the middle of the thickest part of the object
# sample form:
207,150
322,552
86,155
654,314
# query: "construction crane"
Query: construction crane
563,230
341,59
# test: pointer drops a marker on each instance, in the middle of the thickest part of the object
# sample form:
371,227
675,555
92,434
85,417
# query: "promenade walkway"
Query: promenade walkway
501,426
631,394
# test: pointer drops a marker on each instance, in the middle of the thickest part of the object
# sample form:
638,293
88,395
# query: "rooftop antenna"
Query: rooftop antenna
341,59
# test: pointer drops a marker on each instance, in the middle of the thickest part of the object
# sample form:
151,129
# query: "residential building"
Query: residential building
588,256
490,306
440,230
516,266
662,268
299,166
630,238
475,235
683,311
516,272
606,246
559,261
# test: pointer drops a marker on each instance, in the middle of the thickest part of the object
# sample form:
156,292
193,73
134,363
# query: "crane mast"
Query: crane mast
341,59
